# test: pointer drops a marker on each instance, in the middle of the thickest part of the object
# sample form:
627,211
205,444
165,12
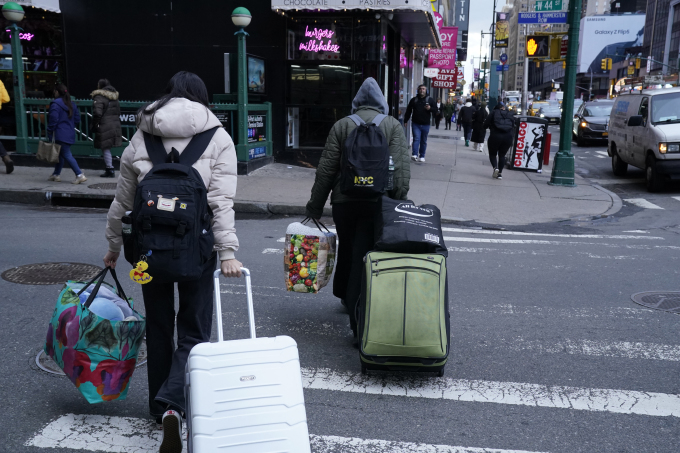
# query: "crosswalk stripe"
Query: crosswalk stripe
278,251
641,202
513,393
602,154
521,233
135,435
676,198
542,242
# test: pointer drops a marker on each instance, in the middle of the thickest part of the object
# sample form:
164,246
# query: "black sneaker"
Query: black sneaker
109,173
500,176
172,433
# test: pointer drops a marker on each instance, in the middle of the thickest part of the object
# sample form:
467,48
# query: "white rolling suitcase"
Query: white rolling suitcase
245,396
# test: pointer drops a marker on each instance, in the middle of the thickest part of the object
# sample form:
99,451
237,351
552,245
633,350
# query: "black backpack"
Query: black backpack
171,220
365,159
502,122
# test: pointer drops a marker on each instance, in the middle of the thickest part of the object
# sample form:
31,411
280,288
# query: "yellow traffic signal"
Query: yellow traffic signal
609,63
538,64
603,64
637,63
564,65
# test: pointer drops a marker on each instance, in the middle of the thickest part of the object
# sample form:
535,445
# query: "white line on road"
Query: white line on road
521,233
636,231
513,393
536,241
136,435
602,154
641,202
273,251
549,312
281,240
676,198
616,349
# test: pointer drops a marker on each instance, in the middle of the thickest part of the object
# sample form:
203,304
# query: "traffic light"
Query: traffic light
637,63
538,46
538,64
603,64
609,63
555,48
564,64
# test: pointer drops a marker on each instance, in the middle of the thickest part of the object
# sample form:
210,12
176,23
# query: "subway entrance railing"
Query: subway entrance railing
259,141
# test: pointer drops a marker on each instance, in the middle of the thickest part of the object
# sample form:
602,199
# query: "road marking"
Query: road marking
641,202
513,393
549,312
602,154
676,198
334,444
281,240
136,435
273,251
617,349
521,233
536,241
636,231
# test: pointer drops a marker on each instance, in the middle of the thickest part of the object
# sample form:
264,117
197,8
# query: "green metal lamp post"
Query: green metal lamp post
563,163
241,18
14,13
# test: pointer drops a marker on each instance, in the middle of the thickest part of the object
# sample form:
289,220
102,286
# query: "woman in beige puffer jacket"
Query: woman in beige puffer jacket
176,117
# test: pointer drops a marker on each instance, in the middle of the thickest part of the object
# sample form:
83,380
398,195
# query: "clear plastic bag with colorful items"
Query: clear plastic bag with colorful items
309,257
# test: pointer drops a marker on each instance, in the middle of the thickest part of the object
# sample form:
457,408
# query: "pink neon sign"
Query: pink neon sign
316,44
24,36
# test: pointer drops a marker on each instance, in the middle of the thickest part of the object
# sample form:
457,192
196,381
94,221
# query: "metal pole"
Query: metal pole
563,163
242,130
525,87
19,89
590,89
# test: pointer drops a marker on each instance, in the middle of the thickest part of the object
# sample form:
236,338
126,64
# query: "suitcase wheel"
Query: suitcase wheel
363,368
441,372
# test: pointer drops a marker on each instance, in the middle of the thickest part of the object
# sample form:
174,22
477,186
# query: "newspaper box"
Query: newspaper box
528,144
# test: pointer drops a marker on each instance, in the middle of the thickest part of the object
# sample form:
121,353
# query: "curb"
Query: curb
42,198
617,203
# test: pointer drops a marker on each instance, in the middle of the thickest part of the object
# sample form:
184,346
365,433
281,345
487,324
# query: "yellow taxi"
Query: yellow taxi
536,106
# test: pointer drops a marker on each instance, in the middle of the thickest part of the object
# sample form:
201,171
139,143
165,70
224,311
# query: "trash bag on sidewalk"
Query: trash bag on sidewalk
98,355
309,257
404,227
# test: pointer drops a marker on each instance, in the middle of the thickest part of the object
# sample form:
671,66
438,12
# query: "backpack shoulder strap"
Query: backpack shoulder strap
196,147
155,149
379,118
357,119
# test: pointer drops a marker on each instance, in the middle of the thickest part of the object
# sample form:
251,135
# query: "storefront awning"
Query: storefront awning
414,18
49,5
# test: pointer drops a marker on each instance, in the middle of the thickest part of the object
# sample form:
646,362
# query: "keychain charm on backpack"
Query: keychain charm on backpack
138,274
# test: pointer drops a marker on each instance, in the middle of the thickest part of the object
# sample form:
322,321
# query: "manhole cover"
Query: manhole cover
50,273
46,363
104,186
659,300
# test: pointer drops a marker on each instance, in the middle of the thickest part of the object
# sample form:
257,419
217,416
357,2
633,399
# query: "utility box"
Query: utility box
529,144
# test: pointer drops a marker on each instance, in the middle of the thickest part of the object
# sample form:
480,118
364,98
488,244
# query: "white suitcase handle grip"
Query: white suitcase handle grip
218,303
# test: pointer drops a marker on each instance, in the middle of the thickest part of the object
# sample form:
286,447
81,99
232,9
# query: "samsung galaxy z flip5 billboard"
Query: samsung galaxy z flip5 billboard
605,37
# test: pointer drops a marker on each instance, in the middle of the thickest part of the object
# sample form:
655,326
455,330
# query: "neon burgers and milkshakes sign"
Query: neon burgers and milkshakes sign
316,43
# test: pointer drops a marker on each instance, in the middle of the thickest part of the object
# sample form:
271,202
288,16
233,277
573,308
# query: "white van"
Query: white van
644,131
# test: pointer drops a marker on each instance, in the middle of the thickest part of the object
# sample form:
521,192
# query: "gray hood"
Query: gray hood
369,95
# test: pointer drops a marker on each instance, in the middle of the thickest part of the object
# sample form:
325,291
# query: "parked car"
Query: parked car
551,113
645,133
577,104
591,121
533,108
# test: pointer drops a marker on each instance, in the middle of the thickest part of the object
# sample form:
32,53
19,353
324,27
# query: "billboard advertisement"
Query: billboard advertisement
527,152
607,36
502,29
444,58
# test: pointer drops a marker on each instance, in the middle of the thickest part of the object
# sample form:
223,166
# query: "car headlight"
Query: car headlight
584,124
669,147
542,115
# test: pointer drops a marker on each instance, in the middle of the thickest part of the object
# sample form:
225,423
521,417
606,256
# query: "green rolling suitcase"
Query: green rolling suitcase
403,313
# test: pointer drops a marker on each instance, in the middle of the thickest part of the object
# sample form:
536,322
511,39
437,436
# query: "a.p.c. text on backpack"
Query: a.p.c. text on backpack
365,159
171,219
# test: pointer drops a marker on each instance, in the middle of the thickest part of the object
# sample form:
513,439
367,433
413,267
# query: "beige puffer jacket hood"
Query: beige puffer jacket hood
177,122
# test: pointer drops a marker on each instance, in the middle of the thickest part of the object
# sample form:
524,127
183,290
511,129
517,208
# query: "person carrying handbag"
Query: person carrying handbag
106,123
61,127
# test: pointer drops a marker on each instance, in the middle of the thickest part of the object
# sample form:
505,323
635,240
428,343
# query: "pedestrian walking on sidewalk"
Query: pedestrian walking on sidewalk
500,122
182,112
106,123
354,218
478,129
61,125
466,120
422,107
9,164
438,117
448,113
458,107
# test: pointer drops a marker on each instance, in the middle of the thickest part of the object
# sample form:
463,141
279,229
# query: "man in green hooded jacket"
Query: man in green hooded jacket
354,218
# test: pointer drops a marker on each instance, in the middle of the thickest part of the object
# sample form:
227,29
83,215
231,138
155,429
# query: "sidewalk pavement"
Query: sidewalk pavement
454,177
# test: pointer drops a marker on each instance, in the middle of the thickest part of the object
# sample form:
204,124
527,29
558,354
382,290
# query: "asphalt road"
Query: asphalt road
548,352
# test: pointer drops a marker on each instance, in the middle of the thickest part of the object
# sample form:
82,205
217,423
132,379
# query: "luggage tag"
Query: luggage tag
138,274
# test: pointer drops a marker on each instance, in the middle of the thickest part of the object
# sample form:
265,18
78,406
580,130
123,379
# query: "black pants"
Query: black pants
498,146
166,365
437,120
447,123
355,224
3,151
467,130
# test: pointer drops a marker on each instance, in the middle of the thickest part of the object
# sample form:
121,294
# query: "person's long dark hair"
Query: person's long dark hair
61,89
103,83
184,84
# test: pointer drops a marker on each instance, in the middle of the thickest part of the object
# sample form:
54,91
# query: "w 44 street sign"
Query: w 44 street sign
549,5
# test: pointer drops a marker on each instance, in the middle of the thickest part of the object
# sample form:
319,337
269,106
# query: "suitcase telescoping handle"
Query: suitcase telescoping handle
218,303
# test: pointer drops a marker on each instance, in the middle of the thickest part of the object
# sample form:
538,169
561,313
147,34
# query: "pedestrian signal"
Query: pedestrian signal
538,46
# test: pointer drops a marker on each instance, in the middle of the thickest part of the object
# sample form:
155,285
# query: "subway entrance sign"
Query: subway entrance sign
538,46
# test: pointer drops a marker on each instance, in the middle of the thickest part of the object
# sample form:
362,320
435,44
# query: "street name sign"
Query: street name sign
542,18
549,5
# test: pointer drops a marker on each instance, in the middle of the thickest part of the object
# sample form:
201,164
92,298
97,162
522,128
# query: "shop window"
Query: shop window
369,39
314,39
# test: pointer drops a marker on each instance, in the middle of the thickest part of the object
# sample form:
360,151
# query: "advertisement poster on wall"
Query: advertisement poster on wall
444,58
607,36
502,34
257,131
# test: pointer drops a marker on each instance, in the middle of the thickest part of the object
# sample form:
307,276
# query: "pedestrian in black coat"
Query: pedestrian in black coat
106,122
501,123
478,129
466,120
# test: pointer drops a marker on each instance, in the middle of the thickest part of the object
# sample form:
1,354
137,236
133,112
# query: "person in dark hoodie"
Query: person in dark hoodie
106,122
61,125
354,218
501,123
466,120
422,107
